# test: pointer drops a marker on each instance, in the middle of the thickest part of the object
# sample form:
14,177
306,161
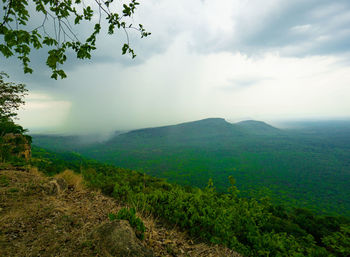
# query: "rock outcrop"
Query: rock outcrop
55,186
17,145
117,238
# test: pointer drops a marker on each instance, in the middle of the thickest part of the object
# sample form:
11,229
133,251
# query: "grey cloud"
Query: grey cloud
328,33
326,24
278,32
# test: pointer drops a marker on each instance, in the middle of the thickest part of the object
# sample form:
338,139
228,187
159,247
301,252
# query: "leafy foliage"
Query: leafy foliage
13,142
12,139
253,227
51,163
8,126
129,214
11,97
339,242
62,16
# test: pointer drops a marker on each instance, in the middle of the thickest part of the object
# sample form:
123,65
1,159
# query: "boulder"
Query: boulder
18,145
117,238
55,186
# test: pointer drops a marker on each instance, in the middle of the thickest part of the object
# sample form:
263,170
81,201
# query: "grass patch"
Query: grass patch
73,180
13,190
4,181
87,244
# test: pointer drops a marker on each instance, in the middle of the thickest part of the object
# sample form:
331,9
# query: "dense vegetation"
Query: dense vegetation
253,227
12,141
308,167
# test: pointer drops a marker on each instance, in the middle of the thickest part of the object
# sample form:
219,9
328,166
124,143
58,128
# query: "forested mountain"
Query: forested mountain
308,166
258,128
196,133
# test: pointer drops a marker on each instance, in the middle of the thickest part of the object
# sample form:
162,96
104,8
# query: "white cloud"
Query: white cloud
42,112
301,28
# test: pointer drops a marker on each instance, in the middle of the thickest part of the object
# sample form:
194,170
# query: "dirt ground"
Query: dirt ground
37,222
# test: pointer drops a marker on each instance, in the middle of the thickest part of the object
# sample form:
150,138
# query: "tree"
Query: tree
11,98
12,141
61,17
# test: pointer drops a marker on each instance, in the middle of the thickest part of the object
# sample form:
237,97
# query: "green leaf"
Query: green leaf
125,48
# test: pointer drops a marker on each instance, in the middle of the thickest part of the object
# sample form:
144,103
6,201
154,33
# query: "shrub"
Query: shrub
130,215
252,227
339,242
4,181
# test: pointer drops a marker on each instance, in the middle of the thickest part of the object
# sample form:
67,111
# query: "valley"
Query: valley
307,166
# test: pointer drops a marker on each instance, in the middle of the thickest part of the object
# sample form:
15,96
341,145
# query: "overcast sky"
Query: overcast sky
235,59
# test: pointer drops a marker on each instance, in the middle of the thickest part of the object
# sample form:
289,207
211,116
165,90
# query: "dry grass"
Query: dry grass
73,180
170,241
34,171
33,223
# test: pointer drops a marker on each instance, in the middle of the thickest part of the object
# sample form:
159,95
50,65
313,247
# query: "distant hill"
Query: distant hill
210,127
188,132
258,128
206,127
299,166
196,132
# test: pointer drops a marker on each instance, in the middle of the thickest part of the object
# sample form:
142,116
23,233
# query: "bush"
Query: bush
252,227
130,215
339,242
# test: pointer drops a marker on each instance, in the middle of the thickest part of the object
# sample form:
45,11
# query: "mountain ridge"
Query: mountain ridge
208,127
258,127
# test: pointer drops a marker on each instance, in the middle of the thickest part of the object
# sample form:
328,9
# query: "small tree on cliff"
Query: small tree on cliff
12,140
11,98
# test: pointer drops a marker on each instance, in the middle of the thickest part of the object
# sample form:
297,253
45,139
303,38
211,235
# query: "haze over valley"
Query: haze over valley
307,166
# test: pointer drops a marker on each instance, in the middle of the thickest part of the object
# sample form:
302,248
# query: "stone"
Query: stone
55,186
117,238
62,184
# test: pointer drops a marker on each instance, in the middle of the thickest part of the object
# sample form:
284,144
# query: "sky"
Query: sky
235,59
